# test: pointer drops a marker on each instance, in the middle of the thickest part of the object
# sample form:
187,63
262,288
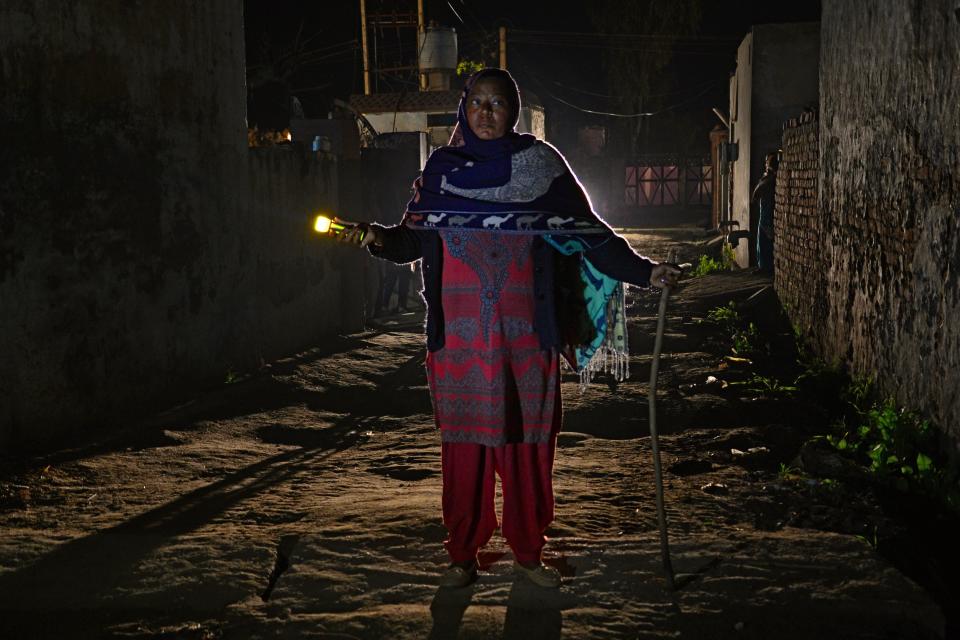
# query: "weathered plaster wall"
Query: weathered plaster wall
890,197
141,249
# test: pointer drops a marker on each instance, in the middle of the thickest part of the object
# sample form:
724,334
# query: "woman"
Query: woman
518,270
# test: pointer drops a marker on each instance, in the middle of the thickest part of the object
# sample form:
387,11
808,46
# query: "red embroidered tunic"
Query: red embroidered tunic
491,383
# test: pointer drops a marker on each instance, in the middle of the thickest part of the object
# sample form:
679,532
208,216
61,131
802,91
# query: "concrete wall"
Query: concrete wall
142,248
890,197
304,286
777,76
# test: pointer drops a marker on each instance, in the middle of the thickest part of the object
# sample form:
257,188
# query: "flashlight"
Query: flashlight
323,224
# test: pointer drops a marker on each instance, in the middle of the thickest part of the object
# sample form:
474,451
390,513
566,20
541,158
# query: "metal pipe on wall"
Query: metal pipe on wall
503,47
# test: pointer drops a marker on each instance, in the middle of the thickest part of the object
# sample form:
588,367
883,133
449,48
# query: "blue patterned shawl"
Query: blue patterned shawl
518,184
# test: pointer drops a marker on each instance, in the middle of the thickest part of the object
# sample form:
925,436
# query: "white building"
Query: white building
777,77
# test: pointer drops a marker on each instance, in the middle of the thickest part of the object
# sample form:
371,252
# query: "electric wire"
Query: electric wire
643,114
456,14
634,36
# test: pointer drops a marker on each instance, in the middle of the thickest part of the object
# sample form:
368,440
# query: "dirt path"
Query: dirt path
303,502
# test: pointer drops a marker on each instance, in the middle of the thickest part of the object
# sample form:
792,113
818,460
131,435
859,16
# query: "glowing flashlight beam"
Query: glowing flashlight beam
323,224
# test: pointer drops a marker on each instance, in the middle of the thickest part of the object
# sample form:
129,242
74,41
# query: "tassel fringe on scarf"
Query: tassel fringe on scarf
613,355
607,309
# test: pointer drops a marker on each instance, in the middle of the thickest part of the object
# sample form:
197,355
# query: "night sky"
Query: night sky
564,70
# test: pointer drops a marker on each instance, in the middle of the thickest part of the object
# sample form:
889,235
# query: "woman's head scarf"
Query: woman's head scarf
510,184
511,141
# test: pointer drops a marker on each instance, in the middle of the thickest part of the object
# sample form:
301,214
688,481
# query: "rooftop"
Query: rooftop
444,101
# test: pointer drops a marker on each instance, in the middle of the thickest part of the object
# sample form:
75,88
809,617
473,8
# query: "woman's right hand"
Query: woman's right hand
358,233
665,274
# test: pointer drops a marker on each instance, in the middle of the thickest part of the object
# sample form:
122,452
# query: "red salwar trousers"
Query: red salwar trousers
469,487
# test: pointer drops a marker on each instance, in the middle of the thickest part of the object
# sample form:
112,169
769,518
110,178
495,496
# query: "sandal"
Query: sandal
540,575
457,576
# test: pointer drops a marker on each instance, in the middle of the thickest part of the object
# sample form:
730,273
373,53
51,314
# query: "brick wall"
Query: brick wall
888,201
798,232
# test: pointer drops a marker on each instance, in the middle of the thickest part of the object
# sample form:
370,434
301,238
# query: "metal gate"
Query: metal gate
666,181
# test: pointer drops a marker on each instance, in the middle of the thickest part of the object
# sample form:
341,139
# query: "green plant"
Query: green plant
728,256
854,406
787,472
232,377
858,392
894,440
726,315
467,67
766,385
708,265
798,332
896,445
746,340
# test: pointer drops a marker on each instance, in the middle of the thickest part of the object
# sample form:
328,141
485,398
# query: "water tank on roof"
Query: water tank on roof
438,49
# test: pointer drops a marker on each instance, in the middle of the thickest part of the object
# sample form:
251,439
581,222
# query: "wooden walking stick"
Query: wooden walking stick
655,445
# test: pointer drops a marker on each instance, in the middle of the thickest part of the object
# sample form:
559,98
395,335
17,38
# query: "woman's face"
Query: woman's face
489,112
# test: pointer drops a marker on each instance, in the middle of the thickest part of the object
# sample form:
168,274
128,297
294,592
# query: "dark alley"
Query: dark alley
397,319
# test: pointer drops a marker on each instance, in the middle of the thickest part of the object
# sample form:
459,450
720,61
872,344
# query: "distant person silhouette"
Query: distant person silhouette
764,194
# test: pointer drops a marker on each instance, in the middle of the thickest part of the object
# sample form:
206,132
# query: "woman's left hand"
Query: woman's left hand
664,274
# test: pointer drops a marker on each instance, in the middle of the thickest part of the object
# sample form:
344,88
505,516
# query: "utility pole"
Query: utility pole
366,54
503,47
375,67
421,40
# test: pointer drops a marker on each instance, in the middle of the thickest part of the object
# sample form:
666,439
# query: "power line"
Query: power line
455,13
614,97
644,114
635,36
687,51
473,16
648,43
